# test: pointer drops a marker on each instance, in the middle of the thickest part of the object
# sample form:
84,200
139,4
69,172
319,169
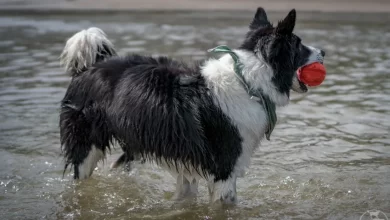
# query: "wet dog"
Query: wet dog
198,121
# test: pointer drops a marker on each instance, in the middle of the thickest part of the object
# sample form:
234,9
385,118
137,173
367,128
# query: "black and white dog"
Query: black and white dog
197,121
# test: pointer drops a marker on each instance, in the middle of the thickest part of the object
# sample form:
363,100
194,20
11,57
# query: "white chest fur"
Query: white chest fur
248,115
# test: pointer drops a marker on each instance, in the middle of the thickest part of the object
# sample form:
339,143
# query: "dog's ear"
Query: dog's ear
286,26
260,19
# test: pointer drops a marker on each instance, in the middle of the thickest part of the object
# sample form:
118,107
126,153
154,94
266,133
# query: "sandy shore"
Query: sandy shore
368,6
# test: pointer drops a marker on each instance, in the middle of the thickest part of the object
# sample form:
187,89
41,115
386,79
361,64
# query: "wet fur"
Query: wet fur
196,120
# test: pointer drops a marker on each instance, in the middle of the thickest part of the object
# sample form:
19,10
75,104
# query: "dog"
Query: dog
199,121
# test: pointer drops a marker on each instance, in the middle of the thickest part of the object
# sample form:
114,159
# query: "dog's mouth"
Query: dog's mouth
297,85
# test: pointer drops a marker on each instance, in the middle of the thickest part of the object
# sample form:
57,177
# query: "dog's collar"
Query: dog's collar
255,94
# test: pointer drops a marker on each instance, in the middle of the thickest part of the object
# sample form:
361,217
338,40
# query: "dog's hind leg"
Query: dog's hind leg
126,158
123,160
185,188
87,166
83,146
119,162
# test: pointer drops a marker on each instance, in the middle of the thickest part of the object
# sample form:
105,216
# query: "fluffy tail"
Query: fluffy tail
84,49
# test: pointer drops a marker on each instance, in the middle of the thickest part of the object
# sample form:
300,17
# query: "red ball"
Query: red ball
312,74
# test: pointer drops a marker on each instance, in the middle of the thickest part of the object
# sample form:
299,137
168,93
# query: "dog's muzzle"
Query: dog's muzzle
316,55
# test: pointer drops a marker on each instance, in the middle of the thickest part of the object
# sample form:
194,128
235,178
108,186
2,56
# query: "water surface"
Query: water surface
328,157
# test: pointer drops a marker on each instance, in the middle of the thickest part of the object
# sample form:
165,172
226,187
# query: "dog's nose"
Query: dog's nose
322,53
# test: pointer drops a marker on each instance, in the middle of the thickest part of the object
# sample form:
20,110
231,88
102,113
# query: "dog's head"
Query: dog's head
281,50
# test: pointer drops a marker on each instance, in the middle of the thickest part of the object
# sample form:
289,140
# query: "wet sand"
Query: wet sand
368,6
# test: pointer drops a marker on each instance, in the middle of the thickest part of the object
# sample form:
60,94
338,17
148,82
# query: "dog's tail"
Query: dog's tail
84,49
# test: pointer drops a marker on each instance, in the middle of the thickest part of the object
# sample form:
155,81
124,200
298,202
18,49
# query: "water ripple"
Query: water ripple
328,157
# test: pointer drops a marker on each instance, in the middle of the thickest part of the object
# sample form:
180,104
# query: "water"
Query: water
328,157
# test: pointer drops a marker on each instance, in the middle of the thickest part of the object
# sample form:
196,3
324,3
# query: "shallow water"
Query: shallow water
328,157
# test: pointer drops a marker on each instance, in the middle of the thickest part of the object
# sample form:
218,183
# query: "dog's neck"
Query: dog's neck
255,94
259,76
240,76
256,73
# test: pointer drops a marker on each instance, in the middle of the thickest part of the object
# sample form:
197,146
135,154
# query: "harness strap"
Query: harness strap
255,94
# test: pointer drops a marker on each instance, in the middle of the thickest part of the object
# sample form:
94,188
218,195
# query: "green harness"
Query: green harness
257,94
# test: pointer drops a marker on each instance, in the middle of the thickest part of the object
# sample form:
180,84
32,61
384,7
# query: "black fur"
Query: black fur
157,107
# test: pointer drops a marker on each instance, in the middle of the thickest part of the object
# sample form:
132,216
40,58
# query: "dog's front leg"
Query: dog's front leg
223,191
185,188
